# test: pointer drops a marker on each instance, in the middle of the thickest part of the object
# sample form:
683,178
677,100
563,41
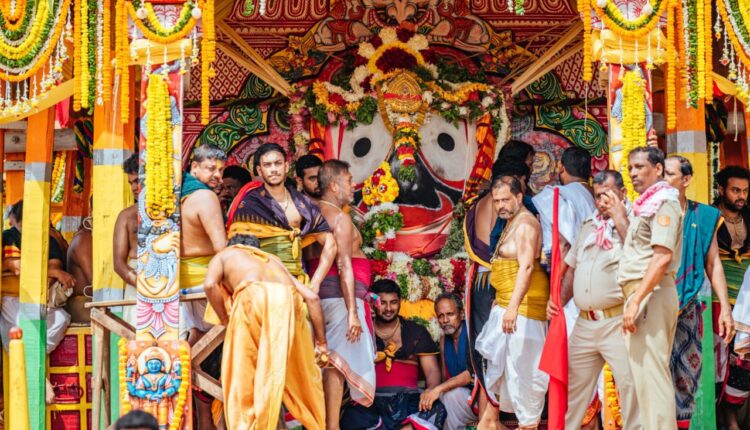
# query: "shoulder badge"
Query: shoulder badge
664,220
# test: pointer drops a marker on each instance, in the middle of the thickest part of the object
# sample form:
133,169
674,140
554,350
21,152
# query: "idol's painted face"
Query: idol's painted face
208,171
153,365
272,168
390,305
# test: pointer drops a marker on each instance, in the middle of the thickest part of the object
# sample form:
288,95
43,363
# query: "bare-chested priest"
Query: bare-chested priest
125,249
513,338
342,294
283,219
268,350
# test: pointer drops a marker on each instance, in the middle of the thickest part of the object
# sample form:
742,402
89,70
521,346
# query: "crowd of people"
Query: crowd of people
282,267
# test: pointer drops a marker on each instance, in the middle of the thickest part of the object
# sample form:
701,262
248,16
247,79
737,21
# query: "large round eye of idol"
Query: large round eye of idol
363,147
448,150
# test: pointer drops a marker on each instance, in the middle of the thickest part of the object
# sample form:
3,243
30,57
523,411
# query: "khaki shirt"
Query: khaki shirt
595,284
664,228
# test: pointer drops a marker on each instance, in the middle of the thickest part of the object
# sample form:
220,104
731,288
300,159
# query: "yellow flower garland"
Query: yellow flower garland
125,405
460,95
154,23
83,9
58,167
16,52
77,58
122,55
633,122
13,20
208,52
160,199
743,56
106,58
708,41
385,192
584,7
179,409
682,53
610,392
644,23
700,49
671,69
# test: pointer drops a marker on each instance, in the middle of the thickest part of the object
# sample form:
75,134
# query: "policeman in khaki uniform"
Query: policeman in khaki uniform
650,260
592,281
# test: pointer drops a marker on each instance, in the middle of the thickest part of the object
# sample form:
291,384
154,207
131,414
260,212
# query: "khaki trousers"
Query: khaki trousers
649,351
591,344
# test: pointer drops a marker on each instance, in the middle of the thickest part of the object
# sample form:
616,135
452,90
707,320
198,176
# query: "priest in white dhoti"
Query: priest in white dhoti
513,338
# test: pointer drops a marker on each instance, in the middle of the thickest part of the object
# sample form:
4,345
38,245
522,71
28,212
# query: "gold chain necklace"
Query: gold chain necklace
326,202
504,234
393,332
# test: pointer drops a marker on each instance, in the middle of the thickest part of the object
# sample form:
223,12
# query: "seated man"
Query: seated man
456,391
57,319
403,349
268,349
80,259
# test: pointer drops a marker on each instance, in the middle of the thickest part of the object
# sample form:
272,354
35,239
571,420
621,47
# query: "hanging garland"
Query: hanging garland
584,7
609,12
610,392
24,52
160,202
179,408
738,28
145,19
633,122
58,177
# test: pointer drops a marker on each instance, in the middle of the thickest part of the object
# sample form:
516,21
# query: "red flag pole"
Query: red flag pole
554,359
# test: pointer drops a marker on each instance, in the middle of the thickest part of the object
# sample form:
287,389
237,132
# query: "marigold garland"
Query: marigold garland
671,69
160,199
21,60
58,177
83,10
633,122
615,21
610,392
406,142
584,6
179,408
106,53
708,41
125,405
701,48
734,26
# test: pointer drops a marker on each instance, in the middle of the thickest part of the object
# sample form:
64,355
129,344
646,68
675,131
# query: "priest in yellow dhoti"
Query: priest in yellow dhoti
268,352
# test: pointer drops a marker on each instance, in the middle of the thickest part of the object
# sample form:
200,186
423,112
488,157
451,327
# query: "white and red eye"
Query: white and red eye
448,151
363,147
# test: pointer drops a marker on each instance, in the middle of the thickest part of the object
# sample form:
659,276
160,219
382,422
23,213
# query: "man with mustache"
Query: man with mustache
456,390
513,337
734,252
591,280
306,169
125,243
202,237
650,260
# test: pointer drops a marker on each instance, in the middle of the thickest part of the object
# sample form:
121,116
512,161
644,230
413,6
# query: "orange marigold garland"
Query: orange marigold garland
708,41
671,69
584,7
